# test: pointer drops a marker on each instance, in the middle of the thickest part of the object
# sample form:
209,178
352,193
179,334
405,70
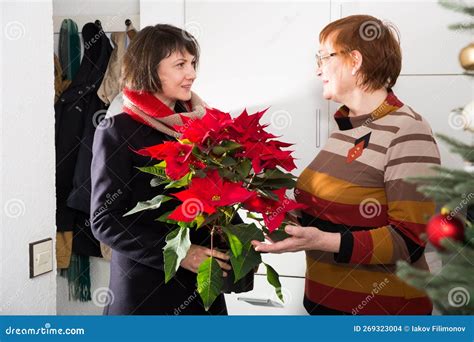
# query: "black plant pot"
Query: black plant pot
245,284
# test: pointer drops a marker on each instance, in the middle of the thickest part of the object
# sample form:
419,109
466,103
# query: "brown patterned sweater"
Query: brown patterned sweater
356,186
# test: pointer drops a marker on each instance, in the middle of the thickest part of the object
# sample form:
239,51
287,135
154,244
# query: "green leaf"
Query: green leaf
164,218
177,246
244,167
152,204
245,262
274,280
275,179
228,161
234,242
252,216
274,184
200,219
228,174
277,174
268,194
183,181
210,281
224,147
227,211
157,169
246,232
248,258
159,180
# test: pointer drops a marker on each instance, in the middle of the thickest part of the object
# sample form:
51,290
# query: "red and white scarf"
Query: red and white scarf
149,110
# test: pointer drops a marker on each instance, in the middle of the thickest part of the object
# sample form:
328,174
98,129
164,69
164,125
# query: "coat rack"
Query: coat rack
109,23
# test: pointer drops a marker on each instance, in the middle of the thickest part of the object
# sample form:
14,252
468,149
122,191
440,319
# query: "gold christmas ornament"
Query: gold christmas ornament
466,57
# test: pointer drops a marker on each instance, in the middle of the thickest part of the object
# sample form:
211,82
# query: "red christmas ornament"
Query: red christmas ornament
444,226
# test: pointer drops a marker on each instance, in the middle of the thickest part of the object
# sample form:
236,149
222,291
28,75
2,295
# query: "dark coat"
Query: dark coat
137,278
78,112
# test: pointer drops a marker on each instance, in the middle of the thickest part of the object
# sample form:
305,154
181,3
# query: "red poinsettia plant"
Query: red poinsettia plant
222,165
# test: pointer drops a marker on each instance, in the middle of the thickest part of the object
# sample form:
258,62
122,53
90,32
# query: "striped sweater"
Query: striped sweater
356,186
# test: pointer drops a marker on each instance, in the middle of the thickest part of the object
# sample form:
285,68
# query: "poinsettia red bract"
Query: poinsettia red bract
178,157
207,194
273,212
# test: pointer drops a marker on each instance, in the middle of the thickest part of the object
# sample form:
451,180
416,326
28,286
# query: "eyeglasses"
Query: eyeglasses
320,58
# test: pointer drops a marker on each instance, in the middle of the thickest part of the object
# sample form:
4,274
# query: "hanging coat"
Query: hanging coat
78,113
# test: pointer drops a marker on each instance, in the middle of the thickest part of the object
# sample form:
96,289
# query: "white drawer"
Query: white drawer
264,301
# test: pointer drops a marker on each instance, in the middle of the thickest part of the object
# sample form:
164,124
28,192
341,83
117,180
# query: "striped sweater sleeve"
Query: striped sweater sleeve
412,153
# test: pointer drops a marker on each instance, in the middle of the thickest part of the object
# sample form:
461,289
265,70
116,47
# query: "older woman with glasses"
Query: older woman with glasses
362,215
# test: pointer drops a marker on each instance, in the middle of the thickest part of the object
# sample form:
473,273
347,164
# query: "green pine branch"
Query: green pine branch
461,27
458,174
447,188
451,289
458,6
464,150
461,7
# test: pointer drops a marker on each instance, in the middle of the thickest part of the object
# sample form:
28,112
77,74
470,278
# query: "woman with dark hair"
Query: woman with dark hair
158,71
362,215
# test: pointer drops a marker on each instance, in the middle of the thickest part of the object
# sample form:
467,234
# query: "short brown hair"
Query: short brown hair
378,42
147,49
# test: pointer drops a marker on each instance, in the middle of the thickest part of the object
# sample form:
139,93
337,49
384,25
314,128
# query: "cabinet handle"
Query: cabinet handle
318,128
261,302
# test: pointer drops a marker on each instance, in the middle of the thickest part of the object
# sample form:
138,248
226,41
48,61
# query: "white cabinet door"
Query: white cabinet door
428,46
262,54
262,300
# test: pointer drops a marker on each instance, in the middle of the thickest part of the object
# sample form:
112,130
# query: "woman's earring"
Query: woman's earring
353,72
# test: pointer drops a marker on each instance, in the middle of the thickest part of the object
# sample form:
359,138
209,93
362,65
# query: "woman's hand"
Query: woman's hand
197,254
302,239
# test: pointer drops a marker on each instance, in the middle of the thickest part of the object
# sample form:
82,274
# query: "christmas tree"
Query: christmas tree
452,231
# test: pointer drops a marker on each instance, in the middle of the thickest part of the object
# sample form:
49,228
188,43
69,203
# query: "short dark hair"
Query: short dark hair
378,42
148,48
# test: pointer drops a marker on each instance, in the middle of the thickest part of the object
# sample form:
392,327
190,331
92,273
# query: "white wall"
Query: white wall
99,8
28,158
